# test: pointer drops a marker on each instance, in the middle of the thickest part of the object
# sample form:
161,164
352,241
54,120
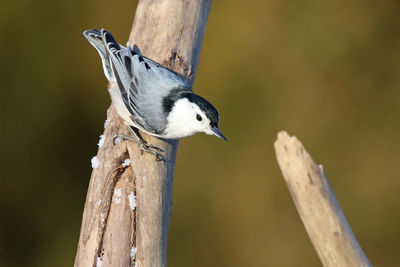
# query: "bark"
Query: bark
316,203
114,231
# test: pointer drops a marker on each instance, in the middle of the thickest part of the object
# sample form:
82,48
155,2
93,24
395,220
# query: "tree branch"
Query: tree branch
114,231
316,203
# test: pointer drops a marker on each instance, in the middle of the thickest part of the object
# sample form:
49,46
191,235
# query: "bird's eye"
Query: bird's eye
198,117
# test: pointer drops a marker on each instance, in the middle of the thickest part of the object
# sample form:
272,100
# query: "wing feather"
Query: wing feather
142,82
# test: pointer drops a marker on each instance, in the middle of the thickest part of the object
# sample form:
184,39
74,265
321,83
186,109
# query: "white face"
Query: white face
186,119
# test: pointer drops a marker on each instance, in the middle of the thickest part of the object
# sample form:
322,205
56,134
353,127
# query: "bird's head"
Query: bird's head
191,114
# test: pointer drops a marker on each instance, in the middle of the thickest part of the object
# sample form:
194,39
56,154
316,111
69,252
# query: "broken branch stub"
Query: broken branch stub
317,205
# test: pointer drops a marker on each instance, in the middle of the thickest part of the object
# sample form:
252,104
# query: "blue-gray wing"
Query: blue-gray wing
143,84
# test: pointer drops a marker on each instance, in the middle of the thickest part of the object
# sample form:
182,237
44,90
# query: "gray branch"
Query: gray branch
316,203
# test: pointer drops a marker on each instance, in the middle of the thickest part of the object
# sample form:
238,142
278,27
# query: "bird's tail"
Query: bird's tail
117,63
120,65
96,38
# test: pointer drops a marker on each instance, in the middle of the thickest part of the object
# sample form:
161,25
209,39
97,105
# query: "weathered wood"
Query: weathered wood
114,232
316,203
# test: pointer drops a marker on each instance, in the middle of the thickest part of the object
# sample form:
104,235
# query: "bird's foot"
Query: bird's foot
143,145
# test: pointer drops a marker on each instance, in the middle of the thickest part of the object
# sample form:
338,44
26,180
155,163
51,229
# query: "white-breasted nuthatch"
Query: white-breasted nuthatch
150,97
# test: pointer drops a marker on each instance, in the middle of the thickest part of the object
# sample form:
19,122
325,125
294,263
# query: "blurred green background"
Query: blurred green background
325,71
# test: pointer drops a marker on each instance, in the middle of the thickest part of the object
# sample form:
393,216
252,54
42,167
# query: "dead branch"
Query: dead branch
316,203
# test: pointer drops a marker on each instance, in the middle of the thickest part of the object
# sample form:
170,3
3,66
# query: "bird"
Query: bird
151,98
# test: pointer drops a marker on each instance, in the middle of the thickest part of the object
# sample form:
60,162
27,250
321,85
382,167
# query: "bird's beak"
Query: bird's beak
218,133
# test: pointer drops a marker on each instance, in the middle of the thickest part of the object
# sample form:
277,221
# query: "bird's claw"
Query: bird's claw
152,150
143,145
117,138
154,147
